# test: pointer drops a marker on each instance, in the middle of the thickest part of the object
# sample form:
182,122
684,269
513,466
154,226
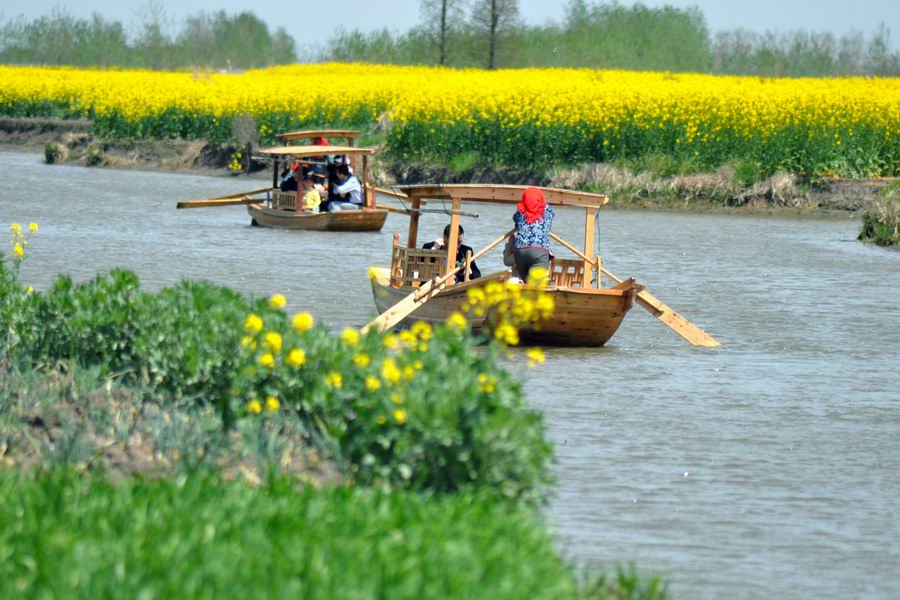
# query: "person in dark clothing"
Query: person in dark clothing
461,250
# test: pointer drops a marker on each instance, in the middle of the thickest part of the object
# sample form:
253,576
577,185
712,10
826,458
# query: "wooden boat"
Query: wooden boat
282,209
584,315
271,207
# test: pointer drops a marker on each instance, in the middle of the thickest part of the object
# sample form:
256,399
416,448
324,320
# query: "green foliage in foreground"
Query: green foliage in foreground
64,535
881,219
445,418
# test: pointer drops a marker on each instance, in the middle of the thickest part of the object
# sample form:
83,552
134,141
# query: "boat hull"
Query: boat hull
581,317
366,219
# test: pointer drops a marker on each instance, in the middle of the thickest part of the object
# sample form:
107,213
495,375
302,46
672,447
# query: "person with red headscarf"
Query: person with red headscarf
533,218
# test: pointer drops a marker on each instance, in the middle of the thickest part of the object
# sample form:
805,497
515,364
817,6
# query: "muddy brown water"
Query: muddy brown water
767,468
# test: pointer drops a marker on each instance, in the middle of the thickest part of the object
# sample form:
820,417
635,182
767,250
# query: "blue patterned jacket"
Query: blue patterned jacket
535,234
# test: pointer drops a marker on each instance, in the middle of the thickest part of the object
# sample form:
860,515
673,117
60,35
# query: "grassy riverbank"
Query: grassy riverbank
655,182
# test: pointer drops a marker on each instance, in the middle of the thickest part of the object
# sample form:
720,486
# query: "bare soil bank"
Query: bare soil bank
719,190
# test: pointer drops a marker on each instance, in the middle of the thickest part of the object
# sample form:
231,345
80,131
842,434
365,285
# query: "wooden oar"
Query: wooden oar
423,293
226,200
658,309
388,192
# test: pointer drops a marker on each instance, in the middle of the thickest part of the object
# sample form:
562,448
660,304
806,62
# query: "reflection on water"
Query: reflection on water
767,468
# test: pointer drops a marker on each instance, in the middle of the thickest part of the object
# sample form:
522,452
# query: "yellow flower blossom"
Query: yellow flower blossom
456,322
296,358
267,360
507,334
302,321
248,342
33,227
18,250
391,342
272,403
372,383
253,323
350,336
361,360
409,372
486,383
399,415
421,330
272,341
16,229
277,301
390,372
334,380
396,398
535,357
29,290
254,407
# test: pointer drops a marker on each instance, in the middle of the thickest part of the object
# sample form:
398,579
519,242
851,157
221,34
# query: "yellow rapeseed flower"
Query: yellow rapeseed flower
507,334
296,358
391,342
254,407
18,250
486,383
277,301
422,330
29,290
372,383
272,341
272,403
267,360
253,323
361,360
15,228
334,379
399,416
408,372
350,336
390,372
535,357
33,227
396,398
303,321
457,322
248,342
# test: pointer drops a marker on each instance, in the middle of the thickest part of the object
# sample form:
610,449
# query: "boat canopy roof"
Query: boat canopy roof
308,134
500,194
306,151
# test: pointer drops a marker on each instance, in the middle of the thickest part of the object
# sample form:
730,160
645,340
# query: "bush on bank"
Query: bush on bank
881,220
427,413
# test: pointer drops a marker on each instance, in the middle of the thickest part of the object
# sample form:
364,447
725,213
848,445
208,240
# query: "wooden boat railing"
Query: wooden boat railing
412,266
284,200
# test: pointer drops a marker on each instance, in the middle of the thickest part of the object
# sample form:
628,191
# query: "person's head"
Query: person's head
307,184
343,171
447,235
319,141
297,171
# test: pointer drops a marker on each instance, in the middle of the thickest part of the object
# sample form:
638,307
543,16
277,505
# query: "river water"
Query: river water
769,467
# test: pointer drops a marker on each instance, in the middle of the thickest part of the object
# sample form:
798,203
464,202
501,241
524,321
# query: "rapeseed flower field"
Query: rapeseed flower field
836,126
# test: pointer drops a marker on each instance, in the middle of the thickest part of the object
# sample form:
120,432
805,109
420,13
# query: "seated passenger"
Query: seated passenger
347,192
311,197
289,182
461,251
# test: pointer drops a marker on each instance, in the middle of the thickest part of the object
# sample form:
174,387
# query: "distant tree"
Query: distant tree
152,39
491,19
440,18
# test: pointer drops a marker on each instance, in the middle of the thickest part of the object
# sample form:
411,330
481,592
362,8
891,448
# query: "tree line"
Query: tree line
456,33
217,39
491,34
